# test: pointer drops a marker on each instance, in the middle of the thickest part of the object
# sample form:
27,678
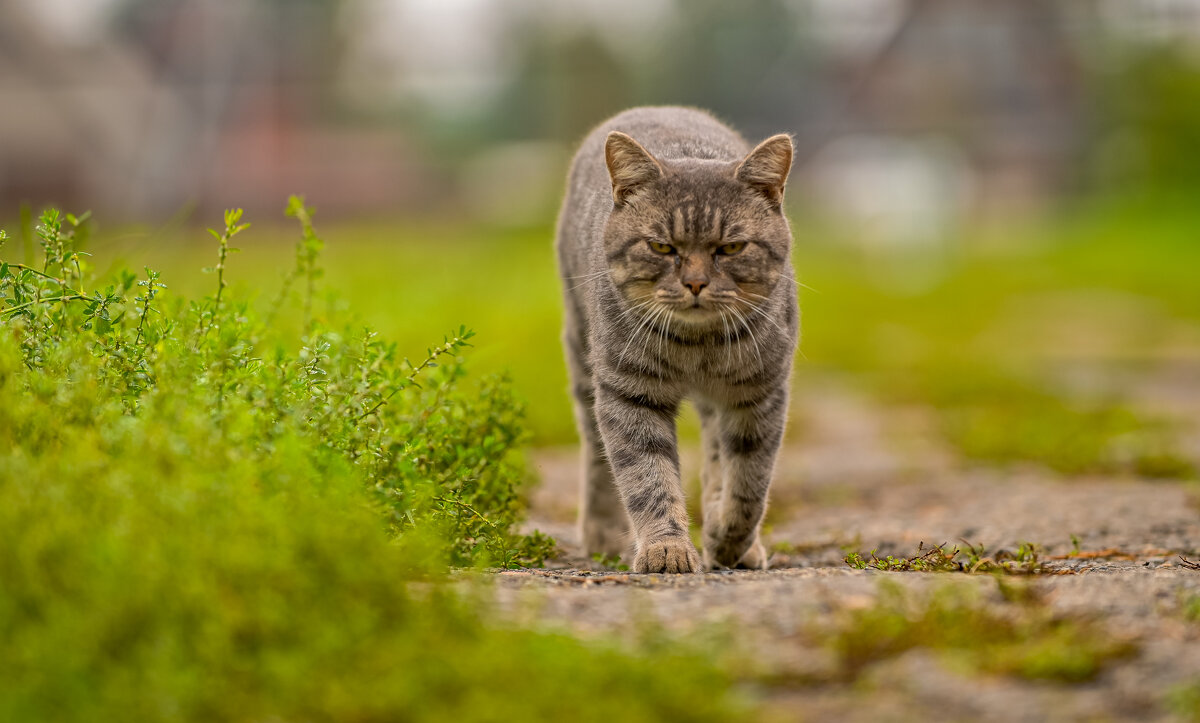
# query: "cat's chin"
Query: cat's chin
695,317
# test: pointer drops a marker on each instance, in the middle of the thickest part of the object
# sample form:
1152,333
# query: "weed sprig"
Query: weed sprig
1025,561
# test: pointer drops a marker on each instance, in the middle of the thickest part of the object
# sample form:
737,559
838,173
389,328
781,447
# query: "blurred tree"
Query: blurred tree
564,83
740,60
1150,120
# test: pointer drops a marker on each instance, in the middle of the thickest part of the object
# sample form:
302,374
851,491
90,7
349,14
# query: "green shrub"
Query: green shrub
440,460
191,511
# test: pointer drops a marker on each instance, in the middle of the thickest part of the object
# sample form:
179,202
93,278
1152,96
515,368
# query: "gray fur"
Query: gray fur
713,321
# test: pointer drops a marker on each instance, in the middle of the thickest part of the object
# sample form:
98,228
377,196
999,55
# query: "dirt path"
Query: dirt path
858,477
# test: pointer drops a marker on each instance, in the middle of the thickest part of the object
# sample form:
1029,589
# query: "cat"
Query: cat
675,258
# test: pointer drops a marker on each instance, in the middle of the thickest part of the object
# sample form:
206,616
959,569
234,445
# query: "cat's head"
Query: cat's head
700,241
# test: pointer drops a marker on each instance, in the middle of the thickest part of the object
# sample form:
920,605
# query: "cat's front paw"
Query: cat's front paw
670,554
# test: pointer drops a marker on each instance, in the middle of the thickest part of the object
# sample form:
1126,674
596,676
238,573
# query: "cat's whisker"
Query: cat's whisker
637,307
727,329
621,357
750,331
728,339
801,284
755,307
766,316
761,312
662,329
587,279
753,295
643,326
743,348
636,330
658,326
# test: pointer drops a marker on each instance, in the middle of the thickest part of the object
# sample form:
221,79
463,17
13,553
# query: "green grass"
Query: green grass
992,334
1019,636
1112,285
1184,701
1004,419
1191,608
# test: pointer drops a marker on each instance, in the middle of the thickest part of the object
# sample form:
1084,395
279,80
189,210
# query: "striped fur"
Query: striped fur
675,257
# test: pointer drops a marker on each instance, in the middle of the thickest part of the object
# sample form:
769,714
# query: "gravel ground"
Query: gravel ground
858,477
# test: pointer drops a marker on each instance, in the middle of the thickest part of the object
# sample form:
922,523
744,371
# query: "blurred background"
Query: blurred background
912,117
994,204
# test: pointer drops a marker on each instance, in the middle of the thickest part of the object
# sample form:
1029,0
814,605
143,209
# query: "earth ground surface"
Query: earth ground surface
857,476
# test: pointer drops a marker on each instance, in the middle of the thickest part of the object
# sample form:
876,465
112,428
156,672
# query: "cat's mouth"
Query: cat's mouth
695,313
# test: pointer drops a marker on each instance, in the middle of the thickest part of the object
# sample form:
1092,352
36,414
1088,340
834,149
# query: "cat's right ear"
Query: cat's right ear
629,165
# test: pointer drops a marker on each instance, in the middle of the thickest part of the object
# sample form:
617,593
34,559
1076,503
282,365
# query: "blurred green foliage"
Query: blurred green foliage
1149,110
987,332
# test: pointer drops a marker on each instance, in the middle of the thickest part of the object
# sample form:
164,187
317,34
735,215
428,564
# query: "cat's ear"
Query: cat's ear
629,165
766,168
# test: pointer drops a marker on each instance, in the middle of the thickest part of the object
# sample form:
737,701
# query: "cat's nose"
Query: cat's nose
696,285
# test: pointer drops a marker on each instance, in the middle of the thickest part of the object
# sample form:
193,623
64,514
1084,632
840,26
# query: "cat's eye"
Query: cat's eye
730,249
661,248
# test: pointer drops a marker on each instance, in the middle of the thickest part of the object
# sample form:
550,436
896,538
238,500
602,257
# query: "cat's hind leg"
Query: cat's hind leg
712,476
603,521
749,435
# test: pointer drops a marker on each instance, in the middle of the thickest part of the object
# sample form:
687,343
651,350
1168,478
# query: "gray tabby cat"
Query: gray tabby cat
675,256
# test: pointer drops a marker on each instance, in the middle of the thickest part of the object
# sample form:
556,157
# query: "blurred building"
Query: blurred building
960,110
189,104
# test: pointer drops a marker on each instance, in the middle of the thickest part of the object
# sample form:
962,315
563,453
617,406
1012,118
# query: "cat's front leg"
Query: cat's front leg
750,433
638,427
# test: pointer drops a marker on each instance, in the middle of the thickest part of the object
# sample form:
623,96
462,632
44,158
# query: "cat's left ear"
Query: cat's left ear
766,168
629,165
